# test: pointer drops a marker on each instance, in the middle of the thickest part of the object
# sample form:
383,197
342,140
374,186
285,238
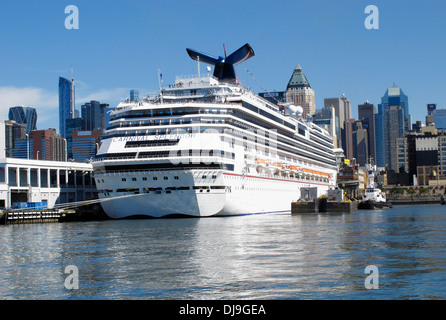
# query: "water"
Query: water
320,256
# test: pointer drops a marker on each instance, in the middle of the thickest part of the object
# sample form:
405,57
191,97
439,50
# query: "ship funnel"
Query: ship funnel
224,67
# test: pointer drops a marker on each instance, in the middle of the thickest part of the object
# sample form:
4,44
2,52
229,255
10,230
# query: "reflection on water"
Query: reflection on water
249,257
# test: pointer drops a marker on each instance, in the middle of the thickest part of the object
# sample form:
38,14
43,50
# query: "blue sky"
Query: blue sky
120,45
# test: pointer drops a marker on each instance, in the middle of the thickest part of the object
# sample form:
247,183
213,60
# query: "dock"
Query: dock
333,201
320,205
88,213
29,216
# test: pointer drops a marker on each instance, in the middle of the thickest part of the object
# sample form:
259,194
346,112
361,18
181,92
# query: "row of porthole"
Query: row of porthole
145,178
167,190
165,178
155,178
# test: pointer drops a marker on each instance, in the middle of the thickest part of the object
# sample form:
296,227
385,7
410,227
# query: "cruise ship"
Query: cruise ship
206,146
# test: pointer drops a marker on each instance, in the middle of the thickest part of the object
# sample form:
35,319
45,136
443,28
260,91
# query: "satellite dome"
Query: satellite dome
299,111
291,110
296,111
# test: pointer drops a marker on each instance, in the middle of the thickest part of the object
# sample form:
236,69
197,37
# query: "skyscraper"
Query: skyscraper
390,124
439,118
350,128
66,103
326,118
14,132
24,115
343,113
394,129
366,114
2,141
360,143
93,114
347,107
48,145
70,126
379,137
84,145
134,95
394,96
299,92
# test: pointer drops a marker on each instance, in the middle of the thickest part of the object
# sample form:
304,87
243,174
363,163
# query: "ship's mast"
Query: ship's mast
160,79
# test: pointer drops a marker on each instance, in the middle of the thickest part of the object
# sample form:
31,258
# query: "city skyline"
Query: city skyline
113,53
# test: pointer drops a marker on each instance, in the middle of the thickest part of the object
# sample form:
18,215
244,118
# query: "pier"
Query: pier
89,210
29,216
333,201
320,205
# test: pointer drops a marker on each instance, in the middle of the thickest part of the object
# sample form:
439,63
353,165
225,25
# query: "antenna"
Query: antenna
278,102
198,62
72,92
160,79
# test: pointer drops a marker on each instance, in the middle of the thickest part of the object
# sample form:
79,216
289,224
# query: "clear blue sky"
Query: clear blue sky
120,45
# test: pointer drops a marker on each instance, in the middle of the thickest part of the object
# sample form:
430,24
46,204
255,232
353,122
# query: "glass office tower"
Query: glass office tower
390,124
24,115
66,103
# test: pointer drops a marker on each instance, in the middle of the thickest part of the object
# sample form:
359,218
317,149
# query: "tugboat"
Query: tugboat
374,198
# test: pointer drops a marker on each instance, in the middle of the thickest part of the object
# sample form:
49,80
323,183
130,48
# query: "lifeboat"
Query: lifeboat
317,173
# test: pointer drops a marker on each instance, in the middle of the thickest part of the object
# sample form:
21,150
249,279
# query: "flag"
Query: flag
160,76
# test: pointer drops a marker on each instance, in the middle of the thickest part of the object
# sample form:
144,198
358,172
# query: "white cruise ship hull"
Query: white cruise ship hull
228,194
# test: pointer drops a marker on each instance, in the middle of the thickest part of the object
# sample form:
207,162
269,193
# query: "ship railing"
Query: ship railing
303,178
113,158
194,157
120,172
195,76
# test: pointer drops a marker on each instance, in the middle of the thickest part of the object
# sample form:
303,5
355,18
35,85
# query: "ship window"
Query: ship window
155,178
178,188
176,177
133,179
128,190
144,178
147,190
166,178
124,179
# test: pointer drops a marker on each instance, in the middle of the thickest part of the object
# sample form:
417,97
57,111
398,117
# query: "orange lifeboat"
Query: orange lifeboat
317,172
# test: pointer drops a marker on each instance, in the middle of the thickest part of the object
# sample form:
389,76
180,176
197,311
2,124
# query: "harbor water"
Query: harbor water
284,256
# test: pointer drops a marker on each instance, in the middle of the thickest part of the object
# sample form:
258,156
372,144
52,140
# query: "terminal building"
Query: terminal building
52,182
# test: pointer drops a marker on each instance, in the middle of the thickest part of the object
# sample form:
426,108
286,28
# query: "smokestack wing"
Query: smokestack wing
242,54
204,57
